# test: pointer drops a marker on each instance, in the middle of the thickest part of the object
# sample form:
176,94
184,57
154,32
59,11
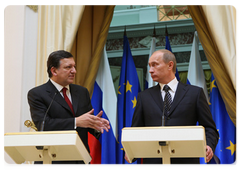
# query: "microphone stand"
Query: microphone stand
43,122
163,116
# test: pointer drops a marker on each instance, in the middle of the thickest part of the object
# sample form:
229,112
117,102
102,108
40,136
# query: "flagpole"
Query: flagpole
168,47
128,90
148,81
125,32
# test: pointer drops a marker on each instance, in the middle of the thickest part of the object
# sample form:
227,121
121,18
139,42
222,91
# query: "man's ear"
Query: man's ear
54,71
170,65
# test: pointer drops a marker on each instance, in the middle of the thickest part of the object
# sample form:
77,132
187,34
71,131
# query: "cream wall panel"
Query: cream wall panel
29,62
12,67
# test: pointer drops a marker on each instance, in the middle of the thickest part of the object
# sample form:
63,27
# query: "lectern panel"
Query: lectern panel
181,141
60,145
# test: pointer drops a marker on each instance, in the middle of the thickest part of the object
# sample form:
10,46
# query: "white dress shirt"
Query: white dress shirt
173,85
59,88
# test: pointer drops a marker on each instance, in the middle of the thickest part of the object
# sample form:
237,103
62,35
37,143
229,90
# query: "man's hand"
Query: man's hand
88,120
105,123
209,153
126,158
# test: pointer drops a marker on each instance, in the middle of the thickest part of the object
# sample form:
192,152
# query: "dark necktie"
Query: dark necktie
67,99
167,99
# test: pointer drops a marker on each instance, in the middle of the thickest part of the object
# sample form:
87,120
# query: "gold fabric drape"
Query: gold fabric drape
89,43
213,55
33,7
222,21
57,28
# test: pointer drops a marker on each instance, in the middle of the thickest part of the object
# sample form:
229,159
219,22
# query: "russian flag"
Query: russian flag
149,82
196,75
103,150
195,71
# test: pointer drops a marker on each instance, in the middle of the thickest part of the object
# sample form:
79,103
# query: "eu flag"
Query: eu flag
127,96
226,147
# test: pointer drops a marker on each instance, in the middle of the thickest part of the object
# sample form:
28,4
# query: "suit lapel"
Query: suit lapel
180,92
156,95
51,89
74,97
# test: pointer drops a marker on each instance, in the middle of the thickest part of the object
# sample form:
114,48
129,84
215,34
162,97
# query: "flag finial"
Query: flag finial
125,32
166,31
154,32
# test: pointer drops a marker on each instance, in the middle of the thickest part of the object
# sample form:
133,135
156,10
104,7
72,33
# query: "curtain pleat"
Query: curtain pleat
215,61
222,22
89,43
57,28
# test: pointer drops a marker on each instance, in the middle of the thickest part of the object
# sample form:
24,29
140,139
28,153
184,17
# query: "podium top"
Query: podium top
42,132
181,141
60,145
163,133
164,127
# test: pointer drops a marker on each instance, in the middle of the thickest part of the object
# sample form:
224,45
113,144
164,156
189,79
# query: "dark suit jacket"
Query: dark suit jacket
59,116
189,107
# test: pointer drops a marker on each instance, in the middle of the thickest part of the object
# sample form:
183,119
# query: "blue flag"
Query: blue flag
103,150
226,147
127,96
168,47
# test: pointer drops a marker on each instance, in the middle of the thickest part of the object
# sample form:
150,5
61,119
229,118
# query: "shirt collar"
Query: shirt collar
172,84
58,86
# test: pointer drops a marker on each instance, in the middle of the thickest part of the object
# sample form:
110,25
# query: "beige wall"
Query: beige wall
13,56
20,39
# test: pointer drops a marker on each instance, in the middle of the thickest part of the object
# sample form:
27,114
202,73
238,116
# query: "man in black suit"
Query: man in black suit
73,113
189,105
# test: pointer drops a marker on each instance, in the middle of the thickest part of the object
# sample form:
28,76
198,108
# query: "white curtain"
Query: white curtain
57,28
222,21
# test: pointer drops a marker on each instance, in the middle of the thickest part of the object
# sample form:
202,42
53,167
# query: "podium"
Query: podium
164,142
46,146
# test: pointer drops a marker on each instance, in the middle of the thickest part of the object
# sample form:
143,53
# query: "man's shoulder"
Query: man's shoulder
153,89
77,87
38,88
189,87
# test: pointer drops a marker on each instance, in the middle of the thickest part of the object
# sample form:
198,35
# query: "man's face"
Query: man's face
65,74
159,70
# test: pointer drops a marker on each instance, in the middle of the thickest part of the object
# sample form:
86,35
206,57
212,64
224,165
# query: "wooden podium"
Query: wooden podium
45,146
164,142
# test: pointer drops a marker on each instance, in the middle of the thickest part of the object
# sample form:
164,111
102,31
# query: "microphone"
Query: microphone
43,122
163,116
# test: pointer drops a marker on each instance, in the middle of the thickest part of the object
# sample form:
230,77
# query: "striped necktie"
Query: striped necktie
167,99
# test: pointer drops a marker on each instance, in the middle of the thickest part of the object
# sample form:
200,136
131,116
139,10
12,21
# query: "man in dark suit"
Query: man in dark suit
71,107
188,105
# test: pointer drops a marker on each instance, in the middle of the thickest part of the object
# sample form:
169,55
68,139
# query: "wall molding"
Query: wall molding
140,30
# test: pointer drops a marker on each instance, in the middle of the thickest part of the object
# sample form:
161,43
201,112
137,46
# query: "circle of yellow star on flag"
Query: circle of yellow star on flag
128,87
134,102
232,148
